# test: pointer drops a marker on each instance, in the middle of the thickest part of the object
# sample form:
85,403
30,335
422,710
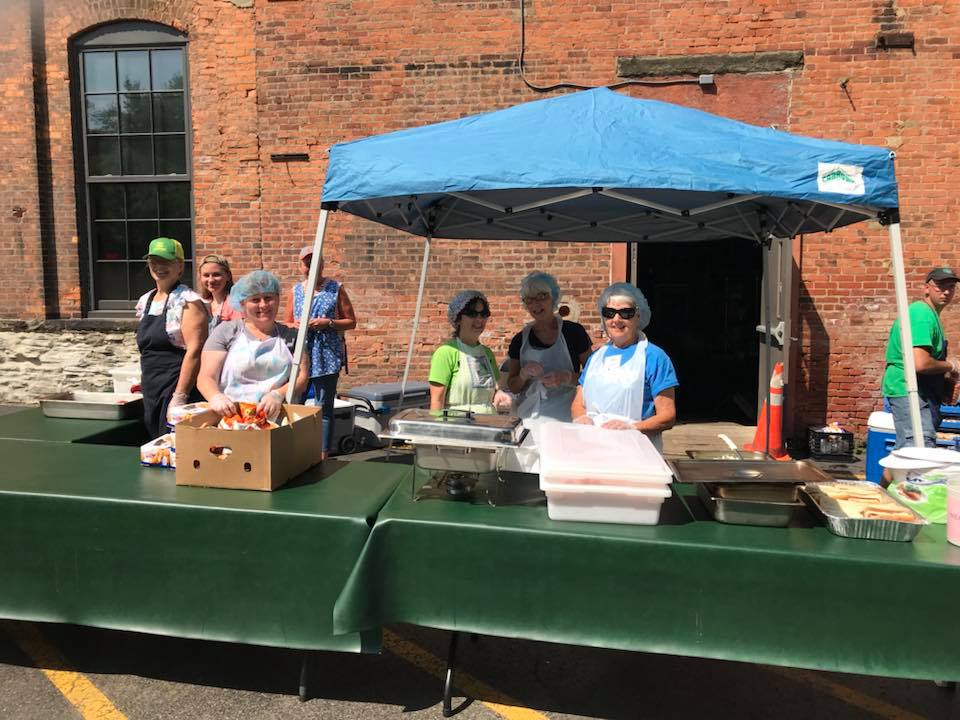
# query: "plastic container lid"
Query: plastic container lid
643,491
880,420
935,455
895,462
590,456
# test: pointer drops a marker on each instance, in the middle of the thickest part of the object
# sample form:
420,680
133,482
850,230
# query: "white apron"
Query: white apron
474,384
255,367
612,391
538,401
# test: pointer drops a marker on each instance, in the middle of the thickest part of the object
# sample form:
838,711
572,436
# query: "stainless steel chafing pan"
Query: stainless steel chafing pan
453,428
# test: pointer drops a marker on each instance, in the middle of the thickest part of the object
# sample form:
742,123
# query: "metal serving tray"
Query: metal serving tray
746,512
726,455
749,471
92,406
455,428
839,523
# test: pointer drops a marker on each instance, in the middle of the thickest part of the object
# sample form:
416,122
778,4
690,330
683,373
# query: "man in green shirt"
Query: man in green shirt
934,370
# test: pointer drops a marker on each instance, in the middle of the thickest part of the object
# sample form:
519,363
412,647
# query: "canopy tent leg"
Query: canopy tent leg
305,315
416,317
906,333
448,709
768,339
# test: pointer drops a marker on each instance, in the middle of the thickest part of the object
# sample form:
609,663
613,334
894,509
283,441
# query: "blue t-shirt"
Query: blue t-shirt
658,373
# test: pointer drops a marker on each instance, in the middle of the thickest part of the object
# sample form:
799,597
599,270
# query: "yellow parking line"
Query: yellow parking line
860,700
507,708
75,687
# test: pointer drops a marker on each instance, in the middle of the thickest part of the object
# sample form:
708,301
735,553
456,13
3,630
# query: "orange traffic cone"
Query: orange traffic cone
773,446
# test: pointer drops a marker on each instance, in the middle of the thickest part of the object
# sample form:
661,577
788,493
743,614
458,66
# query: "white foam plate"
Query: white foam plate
934,455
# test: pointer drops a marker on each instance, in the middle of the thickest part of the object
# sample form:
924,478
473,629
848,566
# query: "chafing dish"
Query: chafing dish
92,405
839,523
746,512
455,428
748,471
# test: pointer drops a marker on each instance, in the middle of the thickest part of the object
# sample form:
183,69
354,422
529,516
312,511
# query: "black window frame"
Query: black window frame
113,37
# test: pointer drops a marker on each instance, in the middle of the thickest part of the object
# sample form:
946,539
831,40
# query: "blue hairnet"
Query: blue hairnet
258,282
460,301
537,282
626,290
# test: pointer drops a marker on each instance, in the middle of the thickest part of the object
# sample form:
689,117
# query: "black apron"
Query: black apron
160,362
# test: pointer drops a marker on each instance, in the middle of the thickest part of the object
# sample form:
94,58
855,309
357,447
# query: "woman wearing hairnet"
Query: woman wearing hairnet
463,373
628,384
249,360
545,357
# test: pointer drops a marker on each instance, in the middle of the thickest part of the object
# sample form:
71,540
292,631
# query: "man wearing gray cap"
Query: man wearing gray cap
936,374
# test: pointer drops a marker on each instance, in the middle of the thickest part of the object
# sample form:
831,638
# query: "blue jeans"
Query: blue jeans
325,390
929,420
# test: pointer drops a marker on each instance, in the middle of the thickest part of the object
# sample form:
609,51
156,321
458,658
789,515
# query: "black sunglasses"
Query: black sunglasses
625,313
470,313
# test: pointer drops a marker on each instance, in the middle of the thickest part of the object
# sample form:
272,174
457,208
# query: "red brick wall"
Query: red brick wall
300,75
21,291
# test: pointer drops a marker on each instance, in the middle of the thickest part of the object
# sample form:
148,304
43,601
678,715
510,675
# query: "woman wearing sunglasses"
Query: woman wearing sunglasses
629,383
463,373
545,357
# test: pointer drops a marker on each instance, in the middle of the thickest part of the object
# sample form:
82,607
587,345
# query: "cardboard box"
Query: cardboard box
258,459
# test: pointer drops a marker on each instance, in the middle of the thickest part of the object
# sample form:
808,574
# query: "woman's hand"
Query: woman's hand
320,323
502,401
178,399
558,378
531,371
222,405
270,404
618,425
583,420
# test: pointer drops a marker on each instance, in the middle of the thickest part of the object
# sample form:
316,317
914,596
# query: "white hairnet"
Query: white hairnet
538,282
460,301
631,292
258,282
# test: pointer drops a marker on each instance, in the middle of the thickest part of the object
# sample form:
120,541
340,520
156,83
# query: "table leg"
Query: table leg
448,709
304,674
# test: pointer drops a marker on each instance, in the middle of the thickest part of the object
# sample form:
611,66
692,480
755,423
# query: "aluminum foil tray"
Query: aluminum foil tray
455,428
841,524
92,406
746,512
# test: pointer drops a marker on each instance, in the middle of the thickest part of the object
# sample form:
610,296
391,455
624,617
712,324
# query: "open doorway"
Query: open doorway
706,300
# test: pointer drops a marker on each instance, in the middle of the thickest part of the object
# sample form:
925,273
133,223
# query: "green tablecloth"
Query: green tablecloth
88,536
32,424
799,597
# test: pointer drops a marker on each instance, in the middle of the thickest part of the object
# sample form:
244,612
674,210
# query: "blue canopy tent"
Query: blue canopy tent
597,166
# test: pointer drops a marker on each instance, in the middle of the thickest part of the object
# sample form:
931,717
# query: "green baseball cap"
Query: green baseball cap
166,248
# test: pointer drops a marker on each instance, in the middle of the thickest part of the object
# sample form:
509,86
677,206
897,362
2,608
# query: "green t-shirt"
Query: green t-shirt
927,333
445,369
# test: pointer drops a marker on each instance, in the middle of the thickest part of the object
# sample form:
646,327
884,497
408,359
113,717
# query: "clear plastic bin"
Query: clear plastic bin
590,455
605,504
126,379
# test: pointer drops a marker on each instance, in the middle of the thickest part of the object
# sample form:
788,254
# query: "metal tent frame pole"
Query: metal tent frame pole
307,295
906,334
416,317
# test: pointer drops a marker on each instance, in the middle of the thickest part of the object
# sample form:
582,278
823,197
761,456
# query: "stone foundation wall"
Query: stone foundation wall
39,362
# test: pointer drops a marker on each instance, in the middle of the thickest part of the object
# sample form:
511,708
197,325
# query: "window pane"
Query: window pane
137,158
135,113
106,201
141,200
133,70
168,112
101,114
139,235
171,155
140,280
110,280
104,155
167,69
174,200
178,230
98,72
188,277
108,241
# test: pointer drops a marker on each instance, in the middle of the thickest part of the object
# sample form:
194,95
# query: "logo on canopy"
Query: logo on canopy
838,178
